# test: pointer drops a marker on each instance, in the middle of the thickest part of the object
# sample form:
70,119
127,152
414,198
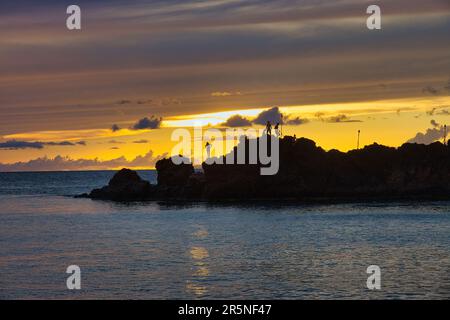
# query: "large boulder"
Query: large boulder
125,185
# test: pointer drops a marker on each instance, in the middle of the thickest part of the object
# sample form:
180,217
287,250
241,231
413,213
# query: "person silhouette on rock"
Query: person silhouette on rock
268,128
277,129
208,149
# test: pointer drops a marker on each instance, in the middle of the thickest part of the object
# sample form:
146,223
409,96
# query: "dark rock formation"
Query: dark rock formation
306,172
195,186
174,182
309,172
126,185
172,175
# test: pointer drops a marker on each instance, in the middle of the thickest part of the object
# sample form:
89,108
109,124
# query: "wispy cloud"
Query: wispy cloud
430,90
115,142
141,141
225,94
296,121
341,118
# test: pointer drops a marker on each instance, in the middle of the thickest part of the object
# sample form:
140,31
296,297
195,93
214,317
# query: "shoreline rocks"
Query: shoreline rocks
307,172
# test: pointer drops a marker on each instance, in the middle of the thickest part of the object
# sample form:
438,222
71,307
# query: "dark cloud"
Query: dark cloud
114,148
148,123
447,87
125,101
434,123
115,128
273,115
296,121
14,145
341,118
141,141
237,121
115,142
65,163
144,101
430,90
122,102
431,135
64,143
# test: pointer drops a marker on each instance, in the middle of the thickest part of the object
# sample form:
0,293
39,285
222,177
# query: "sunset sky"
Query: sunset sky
111,94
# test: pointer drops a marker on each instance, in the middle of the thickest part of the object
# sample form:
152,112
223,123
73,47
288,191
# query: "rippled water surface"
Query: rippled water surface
169,250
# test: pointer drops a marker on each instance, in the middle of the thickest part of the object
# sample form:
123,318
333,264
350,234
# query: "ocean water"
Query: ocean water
162,250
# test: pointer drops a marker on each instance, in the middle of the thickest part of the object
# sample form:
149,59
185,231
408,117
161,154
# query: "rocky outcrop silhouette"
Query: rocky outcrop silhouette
307,172
126,185
172,175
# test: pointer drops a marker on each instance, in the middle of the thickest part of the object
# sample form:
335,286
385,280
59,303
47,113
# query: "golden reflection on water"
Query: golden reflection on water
195,288
200,269
199,253
201,234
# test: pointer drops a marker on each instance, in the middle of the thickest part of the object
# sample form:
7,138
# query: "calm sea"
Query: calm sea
171,250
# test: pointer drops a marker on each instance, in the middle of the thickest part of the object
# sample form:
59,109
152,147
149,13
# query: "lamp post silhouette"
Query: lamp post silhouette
357,144
281,125
445,135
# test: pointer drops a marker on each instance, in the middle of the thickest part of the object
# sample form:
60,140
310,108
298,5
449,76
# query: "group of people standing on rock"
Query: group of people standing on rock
268,129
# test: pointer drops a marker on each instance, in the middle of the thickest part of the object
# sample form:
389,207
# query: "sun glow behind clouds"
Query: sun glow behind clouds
218,118
389,122
207,119
311,111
